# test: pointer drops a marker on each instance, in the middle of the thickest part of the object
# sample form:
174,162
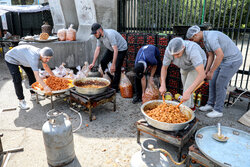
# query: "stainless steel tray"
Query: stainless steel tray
163,125
235,152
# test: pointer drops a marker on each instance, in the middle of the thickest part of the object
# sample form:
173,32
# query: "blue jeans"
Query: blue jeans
218,85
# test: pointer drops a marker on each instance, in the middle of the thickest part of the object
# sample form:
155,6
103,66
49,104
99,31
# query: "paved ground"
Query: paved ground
108,141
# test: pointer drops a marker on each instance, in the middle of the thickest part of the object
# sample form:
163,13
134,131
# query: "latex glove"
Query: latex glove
112,68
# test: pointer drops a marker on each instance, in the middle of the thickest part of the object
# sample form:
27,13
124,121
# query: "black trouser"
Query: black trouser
17,79
108,57
137,81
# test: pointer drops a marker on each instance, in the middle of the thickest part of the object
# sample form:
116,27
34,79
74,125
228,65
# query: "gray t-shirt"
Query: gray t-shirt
216,39
192,57
112,38
25,55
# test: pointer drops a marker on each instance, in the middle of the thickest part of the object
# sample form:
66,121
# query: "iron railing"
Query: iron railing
160,16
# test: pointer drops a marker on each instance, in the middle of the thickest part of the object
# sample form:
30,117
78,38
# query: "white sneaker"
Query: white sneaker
207,107
214,114
22,105
33,97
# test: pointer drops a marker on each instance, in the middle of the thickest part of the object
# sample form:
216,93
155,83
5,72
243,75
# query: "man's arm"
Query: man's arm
96,54
200,77
47,68
163,79
153,70
39,79
112,68
219,57
210,60
143,84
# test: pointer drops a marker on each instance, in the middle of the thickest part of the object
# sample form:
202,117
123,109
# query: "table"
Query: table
3,42
92,101
176,138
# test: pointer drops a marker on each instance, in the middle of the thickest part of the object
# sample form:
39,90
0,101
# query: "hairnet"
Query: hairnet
175,46
192,31
46,51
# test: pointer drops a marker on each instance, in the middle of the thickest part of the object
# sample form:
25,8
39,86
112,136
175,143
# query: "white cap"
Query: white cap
175,46
192,31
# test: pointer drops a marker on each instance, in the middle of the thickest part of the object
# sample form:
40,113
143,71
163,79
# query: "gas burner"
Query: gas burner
92,101
176,138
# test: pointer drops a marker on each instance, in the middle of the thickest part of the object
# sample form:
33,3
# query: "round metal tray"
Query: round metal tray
163,125
55,91
235,152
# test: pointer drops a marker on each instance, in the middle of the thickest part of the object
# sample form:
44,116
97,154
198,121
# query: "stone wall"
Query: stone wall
75,53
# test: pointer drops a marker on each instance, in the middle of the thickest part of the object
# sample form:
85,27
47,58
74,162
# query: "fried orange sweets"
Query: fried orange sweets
55,83
44,36
167,113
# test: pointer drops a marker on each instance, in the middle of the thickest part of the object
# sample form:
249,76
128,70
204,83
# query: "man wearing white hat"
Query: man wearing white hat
220,69
191,59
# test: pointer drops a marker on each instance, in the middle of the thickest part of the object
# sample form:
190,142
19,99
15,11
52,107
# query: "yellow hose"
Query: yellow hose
165,152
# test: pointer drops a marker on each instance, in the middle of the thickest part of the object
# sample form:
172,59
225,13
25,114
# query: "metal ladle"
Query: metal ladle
219,136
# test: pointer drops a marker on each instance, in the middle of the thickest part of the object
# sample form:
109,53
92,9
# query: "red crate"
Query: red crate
124,36
162,51
150,39
173,91
131,48
163,41
131,56
131,38
140,39
173,83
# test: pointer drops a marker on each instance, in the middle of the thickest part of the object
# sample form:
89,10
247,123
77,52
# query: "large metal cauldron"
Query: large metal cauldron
163,125
91,91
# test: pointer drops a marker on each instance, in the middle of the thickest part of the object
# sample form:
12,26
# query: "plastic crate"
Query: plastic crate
151,39
131,56
123,35
131,38
173,91
162,40
140,39
131,48
162,52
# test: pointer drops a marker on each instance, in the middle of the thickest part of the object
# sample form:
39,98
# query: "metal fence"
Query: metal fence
160,16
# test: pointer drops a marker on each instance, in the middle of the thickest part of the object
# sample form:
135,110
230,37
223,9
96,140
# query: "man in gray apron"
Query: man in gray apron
219,70
191,59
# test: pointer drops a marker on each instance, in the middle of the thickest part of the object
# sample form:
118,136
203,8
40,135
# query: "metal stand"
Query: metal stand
92,101
195,156
50,97
177,138
7,153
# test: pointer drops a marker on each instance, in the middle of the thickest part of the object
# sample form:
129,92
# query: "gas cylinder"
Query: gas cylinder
147,157
58,139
